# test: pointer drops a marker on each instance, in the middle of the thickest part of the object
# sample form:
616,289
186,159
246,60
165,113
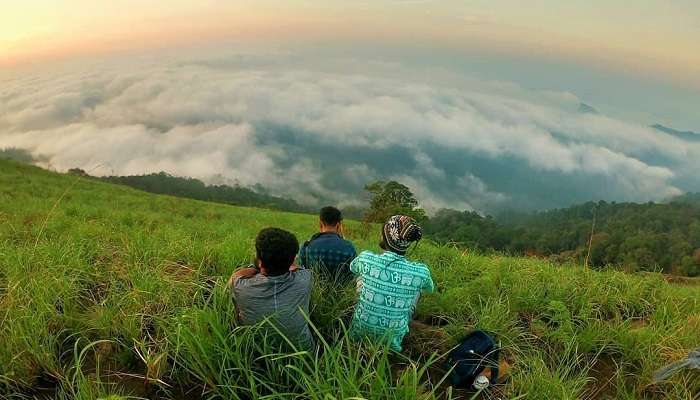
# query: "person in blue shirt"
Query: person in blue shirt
327,251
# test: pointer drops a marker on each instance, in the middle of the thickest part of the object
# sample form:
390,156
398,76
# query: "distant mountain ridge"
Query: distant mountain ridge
587,109
164,183
687,198
685,135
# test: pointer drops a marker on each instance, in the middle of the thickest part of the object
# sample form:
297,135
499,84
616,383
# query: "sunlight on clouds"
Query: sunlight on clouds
658,38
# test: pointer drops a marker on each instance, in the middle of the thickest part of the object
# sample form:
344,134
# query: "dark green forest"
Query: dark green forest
163,183
662,237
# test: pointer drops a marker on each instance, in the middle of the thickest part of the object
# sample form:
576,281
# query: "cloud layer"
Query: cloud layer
319,133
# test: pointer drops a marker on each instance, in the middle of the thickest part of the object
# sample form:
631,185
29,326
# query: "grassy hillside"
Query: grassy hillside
107,290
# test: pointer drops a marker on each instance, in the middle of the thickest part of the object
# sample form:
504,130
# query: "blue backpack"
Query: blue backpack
476,352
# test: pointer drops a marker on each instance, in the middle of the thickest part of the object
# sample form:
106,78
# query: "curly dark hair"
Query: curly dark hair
330,216
276,248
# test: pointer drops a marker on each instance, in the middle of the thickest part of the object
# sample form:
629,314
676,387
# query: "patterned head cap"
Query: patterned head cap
400,231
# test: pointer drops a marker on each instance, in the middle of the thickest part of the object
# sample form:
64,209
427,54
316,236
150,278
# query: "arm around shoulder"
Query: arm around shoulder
247,272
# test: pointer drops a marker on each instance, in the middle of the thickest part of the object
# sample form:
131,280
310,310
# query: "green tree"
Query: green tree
19,155
689,267
391,198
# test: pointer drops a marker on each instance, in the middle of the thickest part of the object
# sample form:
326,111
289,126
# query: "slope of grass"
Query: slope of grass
105,290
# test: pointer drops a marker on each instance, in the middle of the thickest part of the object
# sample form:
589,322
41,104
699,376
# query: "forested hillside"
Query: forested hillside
636,237
163,183
688,198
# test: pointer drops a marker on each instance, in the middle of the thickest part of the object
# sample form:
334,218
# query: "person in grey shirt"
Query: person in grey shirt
275,287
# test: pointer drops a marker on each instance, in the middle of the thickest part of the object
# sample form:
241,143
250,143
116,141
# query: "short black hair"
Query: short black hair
330,215
276,248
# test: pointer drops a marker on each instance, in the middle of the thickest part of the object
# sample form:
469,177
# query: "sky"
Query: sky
475,104
664,34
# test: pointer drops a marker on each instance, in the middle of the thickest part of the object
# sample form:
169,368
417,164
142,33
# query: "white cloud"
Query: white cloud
134,149
203,121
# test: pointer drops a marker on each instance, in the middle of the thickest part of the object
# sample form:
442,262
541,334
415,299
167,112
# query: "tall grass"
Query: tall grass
114,292
240,362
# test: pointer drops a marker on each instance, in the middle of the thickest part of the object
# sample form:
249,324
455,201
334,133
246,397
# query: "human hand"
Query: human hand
246,272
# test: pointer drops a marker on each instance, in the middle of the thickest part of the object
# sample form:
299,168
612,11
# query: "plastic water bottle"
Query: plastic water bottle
481,382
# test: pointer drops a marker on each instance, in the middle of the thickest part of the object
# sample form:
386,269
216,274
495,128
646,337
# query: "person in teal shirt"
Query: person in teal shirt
389,284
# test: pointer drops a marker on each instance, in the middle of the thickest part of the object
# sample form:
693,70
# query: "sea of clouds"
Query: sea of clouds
319,131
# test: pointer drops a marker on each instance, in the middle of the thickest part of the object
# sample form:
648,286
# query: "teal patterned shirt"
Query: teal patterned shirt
390,287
